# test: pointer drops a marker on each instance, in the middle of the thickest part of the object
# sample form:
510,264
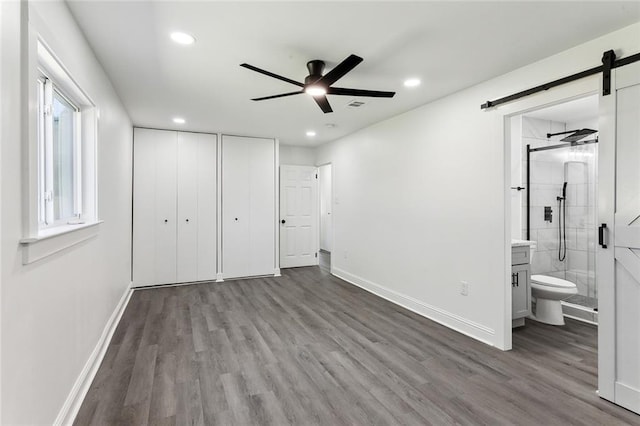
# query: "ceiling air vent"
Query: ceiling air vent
355,104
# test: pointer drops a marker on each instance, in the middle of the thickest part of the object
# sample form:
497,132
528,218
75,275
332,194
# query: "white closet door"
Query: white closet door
166,185
187,237
154,212
248,206
206,213
262,206
144,208
235,207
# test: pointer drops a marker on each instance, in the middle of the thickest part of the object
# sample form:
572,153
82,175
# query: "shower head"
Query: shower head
578,134
564,191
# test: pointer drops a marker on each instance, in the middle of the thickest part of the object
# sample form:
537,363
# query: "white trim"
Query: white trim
627,396
453,321
276,207
72,404
61,238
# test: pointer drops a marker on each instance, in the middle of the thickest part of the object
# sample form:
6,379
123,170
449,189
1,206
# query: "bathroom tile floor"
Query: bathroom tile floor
310,349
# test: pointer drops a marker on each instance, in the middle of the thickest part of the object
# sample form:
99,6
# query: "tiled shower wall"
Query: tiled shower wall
547,177
549,170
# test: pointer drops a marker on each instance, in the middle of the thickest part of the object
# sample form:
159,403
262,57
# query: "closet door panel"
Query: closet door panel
144,207
262,207
187,199
166,186
207,206
235,206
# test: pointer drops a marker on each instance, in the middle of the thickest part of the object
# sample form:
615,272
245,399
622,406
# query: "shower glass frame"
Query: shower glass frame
577,299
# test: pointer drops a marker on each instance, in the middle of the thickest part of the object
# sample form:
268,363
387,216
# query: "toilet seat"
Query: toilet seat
548,281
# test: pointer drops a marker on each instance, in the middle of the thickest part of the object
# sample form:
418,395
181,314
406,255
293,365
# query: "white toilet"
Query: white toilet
549,291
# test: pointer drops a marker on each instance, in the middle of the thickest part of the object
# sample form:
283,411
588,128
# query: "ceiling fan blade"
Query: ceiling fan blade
359,92
277,96
340,70
270,74
323,103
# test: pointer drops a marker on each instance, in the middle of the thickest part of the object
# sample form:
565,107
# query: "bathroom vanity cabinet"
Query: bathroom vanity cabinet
520,283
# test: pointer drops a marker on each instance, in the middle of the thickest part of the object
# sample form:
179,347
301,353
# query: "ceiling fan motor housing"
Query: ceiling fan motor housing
315,67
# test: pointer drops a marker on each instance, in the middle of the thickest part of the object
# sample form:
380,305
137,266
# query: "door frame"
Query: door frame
503,114
333,185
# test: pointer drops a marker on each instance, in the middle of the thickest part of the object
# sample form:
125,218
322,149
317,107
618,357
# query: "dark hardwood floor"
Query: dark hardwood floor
308,348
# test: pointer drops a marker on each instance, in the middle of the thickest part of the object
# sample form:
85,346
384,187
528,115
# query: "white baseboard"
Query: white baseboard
74,400
453,321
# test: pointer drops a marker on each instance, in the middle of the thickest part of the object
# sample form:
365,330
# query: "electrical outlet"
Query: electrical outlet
464,288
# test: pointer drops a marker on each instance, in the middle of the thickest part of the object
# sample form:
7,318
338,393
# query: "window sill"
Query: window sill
53,240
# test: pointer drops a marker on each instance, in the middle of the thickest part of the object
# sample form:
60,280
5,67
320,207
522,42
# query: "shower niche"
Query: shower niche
558,150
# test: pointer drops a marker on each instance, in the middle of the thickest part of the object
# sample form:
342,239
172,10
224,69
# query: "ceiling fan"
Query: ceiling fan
318,85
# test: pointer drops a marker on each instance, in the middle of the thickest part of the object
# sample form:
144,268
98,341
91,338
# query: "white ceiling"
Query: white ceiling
449,45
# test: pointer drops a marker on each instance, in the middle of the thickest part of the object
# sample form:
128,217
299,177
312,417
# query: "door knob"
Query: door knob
187,220
236,218
165,221
283,221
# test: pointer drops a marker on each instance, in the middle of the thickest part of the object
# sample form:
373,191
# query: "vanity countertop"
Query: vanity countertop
522,243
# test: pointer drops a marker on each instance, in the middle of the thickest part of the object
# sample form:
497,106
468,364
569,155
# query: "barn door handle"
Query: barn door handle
601,235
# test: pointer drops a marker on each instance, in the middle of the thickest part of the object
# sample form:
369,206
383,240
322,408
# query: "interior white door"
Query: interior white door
187,235
619,262
196,239
235,208
298,216
154,212
144,208
207,206
248,206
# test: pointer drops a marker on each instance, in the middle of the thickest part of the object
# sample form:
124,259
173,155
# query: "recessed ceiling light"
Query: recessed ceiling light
179,120
412,82
182,38
311,133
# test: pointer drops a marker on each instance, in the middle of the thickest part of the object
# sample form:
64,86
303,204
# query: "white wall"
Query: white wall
297,155
55,310
420,199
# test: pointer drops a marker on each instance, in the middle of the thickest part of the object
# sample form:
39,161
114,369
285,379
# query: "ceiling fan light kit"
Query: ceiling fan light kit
318,85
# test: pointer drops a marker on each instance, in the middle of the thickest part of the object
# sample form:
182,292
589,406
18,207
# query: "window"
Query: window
59,147
66,149
61,191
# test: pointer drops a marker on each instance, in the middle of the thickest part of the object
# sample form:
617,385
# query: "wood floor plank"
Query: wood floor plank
309,349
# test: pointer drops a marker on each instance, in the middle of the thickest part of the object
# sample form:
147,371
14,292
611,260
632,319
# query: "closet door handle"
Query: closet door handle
601,235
